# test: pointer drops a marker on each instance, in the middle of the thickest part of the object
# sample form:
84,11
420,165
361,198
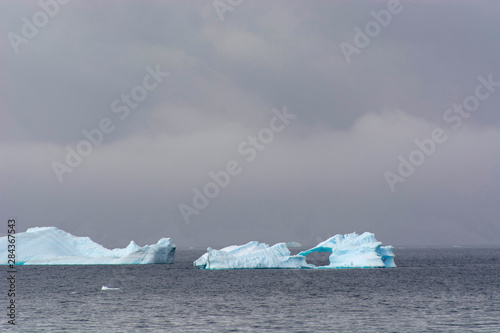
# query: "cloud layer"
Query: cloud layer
322,175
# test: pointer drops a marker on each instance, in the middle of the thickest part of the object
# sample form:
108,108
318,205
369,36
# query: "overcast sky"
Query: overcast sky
354,103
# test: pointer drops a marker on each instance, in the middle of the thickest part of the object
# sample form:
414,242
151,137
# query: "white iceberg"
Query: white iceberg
251,255
346,251
52,246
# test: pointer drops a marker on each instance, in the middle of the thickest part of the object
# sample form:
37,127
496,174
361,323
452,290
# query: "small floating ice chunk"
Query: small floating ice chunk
108,288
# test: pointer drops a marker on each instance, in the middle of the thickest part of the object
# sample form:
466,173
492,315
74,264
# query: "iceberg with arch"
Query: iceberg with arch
346,251
355,251
53,246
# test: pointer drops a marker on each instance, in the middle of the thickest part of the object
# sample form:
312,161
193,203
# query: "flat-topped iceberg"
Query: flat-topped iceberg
52,246
346,251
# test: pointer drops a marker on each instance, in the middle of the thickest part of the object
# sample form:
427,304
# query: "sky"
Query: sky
218,123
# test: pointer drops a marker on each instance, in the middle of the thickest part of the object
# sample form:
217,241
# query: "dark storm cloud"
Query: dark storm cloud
323,174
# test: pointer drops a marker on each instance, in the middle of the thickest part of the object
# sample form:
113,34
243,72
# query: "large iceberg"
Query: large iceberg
355,251
251,255
52,246
346,251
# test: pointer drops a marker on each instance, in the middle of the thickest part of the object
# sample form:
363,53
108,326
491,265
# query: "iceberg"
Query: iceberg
355,251
109,288
346,251
53,246
293,244
251,255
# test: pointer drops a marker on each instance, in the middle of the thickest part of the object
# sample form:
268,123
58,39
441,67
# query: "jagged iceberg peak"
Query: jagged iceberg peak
346,251
53,246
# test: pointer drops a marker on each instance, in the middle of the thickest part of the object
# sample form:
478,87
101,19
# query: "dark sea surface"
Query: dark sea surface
432,290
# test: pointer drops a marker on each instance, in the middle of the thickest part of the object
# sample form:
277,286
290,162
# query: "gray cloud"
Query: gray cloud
324,174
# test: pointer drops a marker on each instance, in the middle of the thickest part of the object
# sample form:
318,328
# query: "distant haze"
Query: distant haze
169,92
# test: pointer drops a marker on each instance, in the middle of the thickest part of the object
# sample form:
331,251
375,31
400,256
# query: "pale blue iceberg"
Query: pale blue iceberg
346,251
251,255
355,251
52,246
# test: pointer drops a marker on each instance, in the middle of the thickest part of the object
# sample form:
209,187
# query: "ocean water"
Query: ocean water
432,290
